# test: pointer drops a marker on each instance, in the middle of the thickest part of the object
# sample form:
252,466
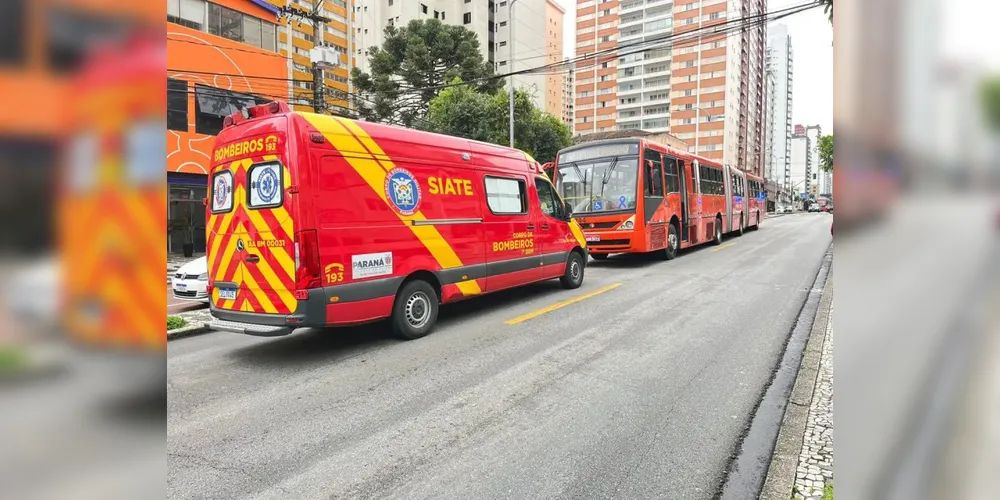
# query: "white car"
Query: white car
191,280
31,292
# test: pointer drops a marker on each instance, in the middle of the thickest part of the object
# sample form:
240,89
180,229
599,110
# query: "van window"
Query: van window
266,184
506,196
222,191
547,198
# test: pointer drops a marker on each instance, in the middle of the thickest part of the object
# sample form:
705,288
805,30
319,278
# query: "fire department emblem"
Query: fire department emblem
267,185
403,191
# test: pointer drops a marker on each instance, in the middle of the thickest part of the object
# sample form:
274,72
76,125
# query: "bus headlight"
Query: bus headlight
628,224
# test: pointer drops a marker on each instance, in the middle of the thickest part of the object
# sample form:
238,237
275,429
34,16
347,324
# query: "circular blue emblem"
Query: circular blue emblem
267,185
403,191
221,192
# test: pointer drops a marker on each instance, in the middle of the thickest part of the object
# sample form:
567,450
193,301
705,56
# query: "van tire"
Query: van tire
599,256
717,240
572,278
415,310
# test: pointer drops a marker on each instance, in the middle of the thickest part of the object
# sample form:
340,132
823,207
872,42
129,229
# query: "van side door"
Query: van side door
554,238
509,232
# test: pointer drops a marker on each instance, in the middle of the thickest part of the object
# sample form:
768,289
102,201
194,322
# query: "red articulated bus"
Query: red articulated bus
676,200
317,221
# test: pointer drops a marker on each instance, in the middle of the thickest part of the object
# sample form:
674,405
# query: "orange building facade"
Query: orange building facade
221,56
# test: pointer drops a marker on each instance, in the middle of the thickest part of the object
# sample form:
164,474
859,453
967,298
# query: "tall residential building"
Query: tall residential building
304,39
533,33
568,98
800,164
554,14
709,92
779,53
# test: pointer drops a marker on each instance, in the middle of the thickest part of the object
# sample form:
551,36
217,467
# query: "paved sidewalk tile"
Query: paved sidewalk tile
815,467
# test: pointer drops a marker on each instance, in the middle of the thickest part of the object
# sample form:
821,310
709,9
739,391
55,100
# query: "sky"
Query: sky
812,45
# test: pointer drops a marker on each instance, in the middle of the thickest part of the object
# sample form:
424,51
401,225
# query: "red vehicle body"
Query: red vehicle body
676,200
321,221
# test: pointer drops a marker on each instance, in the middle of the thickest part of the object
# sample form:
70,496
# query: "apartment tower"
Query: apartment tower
304,38
709,91
779,55
539,22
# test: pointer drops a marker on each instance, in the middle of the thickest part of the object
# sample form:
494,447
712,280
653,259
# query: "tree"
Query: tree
990,95
826,153
827,8
463,112
412,67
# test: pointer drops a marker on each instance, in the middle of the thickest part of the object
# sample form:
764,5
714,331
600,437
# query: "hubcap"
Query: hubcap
574,270
418,310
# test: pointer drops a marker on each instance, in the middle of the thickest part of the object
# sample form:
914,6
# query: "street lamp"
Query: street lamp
510,42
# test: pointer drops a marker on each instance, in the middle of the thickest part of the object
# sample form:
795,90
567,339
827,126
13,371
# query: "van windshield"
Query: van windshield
602,185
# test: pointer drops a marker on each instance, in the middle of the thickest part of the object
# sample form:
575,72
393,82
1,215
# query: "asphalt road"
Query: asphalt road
640,391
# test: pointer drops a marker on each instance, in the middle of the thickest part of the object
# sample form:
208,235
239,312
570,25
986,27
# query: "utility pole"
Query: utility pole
318,22
510,66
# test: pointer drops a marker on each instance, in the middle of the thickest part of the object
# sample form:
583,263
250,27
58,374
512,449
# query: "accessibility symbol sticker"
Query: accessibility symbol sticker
598,205
403,191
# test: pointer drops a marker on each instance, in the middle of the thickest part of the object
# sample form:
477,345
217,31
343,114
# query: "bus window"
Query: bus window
670,169
654,172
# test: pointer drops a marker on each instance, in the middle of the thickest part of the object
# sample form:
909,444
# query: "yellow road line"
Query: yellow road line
560,305
723,247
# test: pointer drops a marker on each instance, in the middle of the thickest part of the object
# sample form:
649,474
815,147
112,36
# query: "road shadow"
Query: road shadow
310,346
627,261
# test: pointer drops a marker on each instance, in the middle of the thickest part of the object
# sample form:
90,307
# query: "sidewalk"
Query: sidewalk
802,461
195,323
816,460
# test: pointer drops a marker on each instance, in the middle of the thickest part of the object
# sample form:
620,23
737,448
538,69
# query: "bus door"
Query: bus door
685,175
653,198
694,188
727,182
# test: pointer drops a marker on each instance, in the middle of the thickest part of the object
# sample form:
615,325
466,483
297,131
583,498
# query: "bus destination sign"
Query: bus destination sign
599,151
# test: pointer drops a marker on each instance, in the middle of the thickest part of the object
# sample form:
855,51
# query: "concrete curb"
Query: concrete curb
785,459
187,331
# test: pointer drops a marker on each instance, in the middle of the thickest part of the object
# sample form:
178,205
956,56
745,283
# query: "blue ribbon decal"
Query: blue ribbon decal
622,202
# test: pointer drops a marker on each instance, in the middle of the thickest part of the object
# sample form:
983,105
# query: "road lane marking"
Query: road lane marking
560,305
723,247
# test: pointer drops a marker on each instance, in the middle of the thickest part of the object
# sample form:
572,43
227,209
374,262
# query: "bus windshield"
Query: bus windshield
601,185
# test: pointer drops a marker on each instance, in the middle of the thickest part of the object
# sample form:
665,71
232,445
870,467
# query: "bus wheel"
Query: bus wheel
573,277
415,310
739,231
599,256
673,242
718,231
757,225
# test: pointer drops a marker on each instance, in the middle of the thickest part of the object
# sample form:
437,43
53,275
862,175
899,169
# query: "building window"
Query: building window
423,8
390,3
503,44
213,105
190,13
177,105
467,18
442,15
437,15
503,23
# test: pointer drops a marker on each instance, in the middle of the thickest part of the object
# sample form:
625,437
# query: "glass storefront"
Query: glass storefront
186,218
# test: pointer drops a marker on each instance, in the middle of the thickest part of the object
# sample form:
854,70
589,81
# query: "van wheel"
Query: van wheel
573,277
673,242
718,231
415,310
599,256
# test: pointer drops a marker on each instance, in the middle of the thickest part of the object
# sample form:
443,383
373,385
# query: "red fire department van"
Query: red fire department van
317,221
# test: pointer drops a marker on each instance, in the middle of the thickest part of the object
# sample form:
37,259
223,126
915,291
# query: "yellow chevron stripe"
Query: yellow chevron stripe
252,285
272,279
373,172
574,226
280,253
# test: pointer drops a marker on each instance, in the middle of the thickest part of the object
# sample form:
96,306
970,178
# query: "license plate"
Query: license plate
182,287
227,293
593,238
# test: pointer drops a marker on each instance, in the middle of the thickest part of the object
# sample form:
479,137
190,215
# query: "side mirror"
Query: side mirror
567,210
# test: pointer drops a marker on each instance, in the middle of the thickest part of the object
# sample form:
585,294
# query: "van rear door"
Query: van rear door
251,248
